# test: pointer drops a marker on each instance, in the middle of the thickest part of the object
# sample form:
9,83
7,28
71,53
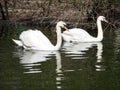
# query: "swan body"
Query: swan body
36,40
80,35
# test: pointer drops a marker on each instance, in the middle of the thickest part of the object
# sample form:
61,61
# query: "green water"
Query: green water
77,66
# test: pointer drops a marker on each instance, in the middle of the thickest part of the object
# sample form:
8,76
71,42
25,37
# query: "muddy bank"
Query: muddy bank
48,12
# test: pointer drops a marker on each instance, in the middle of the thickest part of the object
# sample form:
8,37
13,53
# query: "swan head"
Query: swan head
102,18
62,24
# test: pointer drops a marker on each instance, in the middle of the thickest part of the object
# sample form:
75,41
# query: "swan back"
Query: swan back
76,34
35,39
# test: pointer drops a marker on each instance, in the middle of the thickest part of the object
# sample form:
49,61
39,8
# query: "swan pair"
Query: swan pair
36,40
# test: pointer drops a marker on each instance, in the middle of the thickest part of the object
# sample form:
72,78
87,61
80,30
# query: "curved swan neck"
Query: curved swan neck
100,31
59,38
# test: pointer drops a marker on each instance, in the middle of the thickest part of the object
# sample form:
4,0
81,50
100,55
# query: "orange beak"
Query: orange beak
66,28
106,21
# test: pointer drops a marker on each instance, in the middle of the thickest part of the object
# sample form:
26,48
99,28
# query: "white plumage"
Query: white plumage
80,35
36,40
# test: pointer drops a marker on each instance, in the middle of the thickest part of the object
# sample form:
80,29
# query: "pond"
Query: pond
77,66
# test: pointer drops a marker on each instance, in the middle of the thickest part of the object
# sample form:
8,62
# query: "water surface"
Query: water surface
77,66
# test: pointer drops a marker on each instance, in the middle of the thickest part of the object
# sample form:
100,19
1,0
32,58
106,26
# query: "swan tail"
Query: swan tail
18,42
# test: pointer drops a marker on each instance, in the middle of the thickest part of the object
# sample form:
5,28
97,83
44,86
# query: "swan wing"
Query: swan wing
35,39
18,42
76,34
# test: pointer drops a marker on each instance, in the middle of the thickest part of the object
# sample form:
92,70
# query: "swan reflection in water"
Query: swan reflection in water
78,51
30,59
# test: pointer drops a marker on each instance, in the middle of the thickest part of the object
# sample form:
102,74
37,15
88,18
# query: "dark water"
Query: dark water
77,66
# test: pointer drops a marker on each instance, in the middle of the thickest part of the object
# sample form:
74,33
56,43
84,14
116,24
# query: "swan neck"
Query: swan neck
100,31
59,38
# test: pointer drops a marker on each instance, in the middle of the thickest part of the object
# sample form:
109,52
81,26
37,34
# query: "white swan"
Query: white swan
80,35
36,40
